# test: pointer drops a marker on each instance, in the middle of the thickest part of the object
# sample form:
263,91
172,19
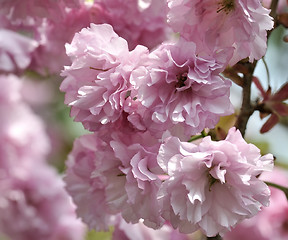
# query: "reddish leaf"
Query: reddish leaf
271,122
283,19
259,86
280,108
263,114
268,93
281,94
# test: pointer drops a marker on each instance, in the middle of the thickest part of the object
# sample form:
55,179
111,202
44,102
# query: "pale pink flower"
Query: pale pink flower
213,185
50,56
216,25
22,133
139,22
48,25
39,94
271,222
179,87
92,170
15,51
138,157
32,9
33,202
97,83
107,175
34,205
10,89
128,231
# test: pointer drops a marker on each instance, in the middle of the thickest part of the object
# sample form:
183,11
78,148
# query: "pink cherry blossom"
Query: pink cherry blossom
50,56
48,25
22,133
34,205
15,51
216,25
33,9
107,175
213,185
271,222
92,170
139,22
33,202
179,87
97,83
139,164
128,231
10,89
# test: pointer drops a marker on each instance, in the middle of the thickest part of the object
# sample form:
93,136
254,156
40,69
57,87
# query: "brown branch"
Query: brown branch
273,7
246,109
273,14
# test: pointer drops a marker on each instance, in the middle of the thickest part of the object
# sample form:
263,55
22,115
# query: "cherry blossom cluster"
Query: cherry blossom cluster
142,105
33,201
27,209
237,24
146,78
34,32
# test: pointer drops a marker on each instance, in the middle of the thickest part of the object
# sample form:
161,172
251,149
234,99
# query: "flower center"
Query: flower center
211,181
226,5
181,80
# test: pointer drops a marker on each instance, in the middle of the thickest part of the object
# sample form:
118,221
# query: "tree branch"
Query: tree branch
273,7
246,109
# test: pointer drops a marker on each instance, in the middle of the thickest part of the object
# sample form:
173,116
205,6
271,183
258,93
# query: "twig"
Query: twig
267,70
282,188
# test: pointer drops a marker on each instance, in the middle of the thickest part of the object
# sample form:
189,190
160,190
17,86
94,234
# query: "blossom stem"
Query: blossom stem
196,137
98,69
267,70
282,188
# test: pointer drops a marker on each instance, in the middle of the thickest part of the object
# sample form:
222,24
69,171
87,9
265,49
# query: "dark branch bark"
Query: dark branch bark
273,7
246,109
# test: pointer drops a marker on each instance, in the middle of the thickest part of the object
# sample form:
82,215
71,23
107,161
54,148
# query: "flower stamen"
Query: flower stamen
226,5
98,69
181,80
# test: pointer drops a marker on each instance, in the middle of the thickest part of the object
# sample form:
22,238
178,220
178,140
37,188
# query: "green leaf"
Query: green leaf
93,235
